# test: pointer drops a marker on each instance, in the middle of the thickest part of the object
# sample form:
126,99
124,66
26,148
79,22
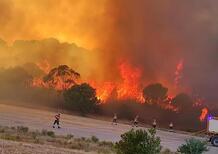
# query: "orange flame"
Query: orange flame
204,113
130,88
104,90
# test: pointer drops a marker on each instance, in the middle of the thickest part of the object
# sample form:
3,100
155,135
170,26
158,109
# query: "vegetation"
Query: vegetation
167,151
193,146
64,73
154,93
81,98
49,138
139,142
183,101
48,133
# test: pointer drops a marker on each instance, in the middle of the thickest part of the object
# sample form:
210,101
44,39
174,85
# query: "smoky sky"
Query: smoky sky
153,35
156,35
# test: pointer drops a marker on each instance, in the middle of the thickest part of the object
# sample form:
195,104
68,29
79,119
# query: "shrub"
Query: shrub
106,144
44,132
2,130
193,146
94,139
22,129
51,133
48,133
139,142
69,136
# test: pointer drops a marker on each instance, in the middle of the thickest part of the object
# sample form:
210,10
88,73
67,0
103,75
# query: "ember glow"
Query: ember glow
203,115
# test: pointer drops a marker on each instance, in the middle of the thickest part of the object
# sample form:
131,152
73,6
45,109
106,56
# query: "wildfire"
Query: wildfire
130,85
204,113
59,78
103,91
178,73
128,88
63,77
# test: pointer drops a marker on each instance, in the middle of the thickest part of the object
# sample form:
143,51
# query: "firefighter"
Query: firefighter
135,122
171,126
57,120
154,124
114,122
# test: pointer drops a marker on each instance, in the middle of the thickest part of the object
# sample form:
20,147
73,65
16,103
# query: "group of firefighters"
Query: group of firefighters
136,122
114,122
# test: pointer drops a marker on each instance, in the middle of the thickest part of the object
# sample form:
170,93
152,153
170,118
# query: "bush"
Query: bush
81,98
22,129
69,136
193,146
139,142
51,133
94,139
48,133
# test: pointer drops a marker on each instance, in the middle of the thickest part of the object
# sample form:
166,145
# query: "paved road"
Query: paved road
79,126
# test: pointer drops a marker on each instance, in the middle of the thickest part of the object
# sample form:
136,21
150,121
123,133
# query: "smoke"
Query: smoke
68,20
51,51
151,35
156,35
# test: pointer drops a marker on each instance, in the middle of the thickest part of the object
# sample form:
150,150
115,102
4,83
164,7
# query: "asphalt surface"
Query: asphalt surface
37,119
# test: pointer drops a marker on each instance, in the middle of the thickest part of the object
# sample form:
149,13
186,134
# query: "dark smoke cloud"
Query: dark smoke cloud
155,35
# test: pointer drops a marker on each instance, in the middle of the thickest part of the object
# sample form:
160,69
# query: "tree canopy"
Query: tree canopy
61,77
81,98
154,93
183,101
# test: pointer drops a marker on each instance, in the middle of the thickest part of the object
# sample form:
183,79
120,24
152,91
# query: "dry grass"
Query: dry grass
22,134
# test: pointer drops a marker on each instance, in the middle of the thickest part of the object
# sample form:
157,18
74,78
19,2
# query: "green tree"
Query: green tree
139,142
193,146
154,93
81,98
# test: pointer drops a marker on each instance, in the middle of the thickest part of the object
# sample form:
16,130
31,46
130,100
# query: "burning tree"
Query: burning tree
61,78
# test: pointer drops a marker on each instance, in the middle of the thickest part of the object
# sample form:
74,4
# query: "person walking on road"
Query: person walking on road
114,122
171,126
154,124
135,122
57,120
